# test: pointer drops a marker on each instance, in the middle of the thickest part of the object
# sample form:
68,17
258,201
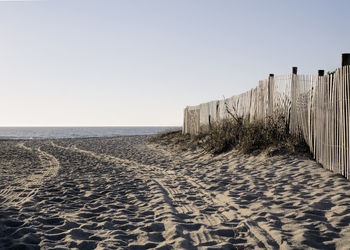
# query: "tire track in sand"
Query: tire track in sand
192,216
231,213
19,195
166,214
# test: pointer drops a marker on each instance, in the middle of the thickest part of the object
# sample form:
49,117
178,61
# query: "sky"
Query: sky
141,62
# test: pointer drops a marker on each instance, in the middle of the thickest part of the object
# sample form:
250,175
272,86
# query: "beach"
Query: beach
125,193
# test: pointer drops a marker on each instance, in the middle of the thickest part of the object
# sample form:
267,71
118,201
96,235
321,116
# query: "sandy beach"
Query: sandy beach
123,193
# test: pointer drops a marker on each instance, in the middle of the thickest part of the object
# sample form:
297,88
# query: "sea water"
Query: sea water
77,132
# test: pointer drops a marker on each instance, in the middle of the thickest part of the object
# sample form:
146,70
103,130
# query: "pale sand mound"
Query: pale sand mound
121,193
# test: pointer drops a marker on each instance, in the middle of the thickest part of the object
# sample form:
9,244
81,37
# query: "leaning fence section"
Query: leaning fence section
315,108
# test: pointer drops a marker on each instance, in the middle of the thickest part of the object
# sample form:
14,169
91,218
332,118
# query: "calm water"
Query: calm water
76,132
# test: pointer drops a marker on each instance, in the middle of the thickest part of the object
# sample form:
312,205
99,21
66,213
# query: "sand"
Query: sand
122,193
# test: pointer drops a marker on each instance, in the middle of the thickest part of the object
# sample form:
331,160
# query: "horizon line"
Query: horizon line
85,126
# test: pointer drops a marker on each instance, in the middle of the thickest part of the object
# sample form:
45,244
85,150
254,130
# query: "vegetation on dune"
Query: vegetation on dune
176,138
248,137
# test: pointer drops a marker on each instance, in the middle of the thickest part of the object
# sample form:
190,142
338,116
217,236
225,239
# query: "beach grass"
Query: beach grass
271,135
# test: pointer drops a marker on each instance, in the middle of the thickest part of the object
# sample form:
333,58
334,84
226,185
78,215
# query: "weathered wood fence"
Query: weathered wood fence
315,107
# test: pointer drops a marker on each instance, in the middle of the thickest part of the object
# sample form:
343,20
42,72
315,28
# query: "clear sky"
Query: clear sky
140,62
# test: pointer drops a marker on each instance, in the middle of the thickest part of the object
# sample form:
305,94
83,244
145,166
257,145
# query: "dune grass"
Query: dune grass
248,137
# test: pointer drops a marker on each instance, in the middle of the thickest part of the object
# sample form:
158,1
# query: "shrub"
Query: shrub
253,137
222,136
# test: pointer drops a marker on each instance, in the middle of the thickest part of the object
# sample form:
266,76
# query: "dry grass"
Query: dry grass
255,137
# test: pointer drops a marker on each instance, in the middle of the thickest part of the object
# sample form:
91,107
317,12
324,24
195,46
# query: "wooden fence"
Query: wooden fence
315,107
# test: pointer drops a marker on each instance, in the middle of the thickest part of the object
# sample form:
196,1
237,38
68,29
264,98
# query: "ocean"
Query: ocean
77,132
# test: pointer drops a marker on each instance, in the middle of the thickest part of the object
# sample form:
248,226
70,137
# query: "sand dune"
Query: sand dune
121,193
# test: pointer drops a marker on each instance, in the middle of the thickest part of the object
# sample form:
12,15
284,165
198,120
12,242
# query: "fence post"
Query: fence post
293,123
294,70
345,59
345,108
270,90
318,116
185,124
